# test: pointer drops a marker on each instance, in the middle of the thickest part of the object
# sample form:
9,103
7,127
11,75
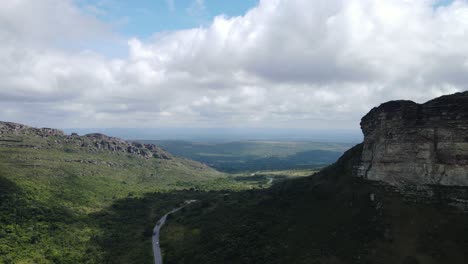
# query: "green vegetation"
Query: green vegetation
37,232
127,225
328,218
277,173
234,157
64,203
61,203
262,179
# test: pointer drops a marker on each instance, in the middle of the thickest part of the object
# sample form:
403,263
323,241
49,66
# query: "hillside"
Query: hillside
96,157
62,196
241,156
337,216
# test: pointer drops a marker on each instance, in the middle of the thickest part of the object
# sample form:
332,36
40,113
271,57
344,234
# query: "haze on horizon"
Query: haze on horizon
218,135
305,64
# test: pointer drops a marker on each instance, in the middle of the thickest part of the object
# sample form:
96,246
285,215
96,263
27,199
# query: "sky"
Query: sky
144,18
305,64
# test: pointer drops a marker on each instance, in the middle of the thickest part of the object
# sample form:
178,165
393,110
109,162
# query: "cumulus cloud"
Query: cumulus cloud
47,23
301,63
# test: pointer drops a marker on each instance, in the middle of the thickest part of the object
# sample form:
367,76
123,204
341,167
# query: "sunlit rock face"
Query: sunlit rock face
419,144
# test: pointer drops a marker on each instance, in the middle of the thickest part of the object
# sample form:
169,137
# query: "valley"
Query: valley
97,199
233,132
391,199
63,195
94,198
251,156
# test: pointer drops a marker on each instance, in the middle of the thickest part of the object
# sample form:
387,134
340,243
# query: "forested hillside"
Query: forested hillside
68,198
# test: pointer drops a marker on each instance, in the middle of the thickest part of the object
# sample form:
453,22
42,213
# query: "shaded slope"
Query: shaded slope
331,217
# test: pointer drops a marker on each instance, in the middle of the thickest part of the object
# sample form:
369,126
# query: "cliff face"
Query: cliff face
419,144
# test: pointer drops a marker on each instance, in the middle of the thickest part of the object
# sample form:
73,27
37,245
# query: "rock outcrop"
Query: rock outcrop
13,132
20,129
406,143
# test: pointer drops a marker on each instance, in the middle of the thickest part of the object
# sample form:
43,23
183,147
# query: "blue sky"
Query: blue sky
318,64
443,3
143,18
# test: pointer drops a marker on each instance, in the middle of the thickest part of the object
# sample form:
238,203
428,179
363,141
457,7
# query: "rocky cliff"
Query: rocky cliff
406,143
13,132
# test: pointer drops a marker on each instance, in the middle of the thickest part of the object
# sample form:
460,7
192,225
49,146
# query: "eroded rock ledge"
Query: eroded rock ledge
406,143
14,134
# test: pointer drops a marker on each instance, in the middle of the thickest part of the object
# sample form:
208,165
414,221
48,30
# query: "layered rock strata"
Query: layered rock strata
406,143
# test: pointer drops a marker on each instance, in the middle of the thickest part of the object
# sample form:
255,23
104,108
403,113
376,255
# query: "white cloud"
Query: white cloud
47,22
300,63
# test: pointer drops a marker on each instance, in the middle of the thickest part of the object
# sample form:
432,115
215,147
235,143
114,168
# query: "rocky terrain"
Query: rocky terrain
10,128
13,132
408,205
410,144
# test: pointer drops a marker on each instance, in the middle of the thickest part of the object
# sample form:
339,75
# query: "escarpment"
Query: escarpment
406,143
19,135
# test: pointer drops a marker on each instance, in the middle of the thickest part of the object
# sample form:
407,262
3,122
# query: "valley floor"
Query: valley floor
54,209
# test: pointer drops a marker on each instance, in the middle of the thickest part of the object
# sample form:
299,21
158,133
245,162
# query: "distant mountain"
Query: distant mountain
400,197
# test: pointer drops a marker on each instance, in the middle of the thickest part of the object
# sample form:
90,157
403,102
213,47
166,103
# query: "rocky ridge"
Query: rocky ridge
10,128
410,144
13,132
